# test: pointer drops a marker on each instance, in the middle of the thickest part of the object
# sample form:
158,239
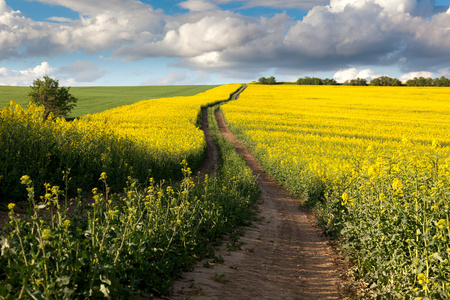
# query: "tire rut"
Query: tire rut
283,255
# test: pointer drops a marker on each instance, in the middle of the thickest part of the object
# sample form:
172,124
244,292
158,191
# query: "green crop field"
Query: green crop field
98,99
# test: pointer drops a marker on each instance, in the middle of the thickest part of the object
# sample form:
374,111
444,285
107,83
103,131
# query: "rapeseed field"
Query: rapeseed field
373,163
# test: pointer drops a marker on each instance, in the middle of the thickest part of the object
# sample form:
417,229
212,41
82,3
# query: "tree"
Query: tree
441,81
420,81
55,99
310,81
356,82
385,81
271,80
328,81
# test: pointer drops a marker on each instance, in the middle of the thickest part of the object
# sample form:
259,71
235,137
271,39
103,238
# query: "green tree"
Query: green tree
271,80
262,80
385,81
420,81
441,81
55,99
356,82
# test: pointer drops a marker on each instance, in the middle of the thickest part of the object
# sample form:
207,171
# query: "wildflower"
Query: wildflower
66,224
25,179
344,198
46,234
421,276
441,224
103,176
11,206
397,184
435,144
373,170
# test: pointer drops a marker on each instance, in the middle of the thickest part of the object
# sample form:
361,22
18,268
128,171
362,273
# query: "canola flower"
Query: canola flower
373,163
146,139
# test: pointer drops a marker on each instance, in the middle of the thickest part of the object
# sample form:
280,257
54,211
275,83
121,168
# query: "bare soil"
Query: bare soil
283,255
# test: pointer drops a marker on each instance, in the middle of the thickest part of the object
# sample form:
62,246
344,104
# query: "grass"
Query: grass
97,99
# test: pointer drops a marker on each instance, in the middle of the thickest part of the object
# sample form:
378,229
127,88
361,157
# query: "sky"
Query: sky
150,42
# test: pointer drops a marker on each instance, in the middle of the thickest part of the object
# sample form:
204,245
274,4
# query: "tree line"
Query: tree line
379,81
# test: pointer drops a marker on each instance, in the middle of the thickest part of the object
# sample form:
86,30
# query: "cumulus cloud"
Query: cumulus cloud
353,73
25,77
79,73
103,25
412,75
412,34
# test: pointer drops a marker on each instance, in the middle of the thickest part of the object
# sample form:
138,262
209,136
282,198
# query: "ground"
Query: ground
283,255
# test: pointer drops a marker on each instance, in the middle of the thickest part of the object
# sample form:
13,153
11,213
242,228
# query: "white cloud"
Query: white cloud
298,4
198,37
93,8
412,75
353,73
24,77
79,73
198,5
178,78
335,36
60,19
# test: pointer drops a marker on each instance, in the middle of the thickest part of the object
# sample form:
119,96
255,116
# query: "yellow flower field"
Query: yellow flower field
165,125
146,139
373,163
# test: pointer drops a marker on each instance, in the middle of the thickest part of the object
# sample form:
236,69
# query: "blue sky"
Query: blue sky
149,42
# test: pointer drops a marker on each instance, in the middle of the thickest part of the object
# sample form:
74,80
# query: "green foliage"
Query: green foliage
356,82
420,81
55,99
270,80
385,81
443,81
316,81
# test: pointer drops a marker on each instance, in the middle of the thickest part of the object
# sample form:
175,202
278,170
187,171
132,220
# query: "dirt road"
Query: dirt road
283,255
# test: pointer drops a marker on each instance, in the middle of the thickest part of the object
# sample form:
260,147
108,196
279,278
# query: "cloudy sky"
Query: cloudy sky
155,42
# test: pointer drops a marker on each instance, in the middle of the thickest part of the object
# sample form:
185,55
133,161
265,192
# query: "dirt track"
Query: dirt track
283,255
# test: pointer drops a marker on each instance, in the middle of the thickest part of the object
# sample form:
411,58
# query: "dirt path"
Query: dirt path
283,255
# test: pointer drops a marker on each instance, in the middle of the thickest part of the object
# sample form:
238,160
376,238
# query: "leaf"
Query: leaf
36,295
63,280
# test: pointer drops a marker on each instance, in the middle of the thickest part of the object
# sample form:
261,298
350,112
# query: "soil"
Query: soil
283,255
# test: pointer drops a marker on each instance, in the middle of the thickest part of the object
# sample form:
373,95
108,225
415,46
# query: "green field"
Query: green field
98,99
